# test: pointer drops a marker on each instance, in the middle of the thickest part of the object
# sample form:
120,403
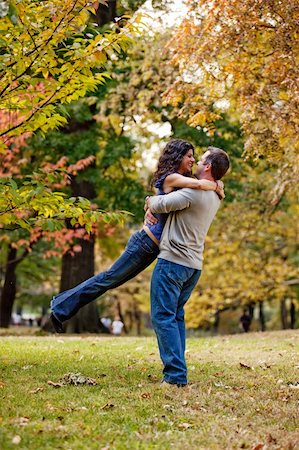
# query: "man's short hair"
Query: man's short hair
219,161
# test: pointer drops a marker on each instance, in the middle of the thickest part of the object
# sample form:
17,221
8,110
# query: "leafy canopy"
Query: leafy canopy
241,56
50,55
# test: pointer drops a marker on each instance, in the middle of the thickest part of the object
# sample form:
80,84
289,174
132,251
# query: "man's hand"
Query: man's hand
149,218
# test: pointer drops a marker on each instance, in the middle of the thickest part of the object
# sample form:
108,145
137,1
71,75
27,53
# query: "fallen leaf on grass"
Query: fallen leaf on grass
258,447
168,407
245,366
29,366
294,385
23,421
56,385
152,378
61,428
16,440
286,398
222,385
185,426
107,406
35,391
265,366
146,395
168,397
218,374
271,439
2,384
197,406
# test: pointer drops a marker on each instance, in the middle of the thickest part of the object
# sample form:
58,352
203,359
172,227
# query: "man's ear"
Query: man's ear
208,167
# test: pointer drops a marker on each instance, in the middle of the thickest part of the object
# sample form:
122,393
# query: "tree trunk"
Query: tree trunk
284,314
251,310
79,267
118,304
292,315
9,290
129,315
216,322
76,269
105,14
137,317
262,316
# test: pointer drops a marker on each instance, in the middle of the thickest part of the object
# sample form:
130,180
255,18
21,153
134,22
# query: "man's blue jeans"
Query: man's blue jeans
171,287
139,253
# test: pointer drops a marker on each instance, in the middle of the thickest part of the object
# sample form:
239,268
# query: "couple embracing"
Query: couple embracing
177,221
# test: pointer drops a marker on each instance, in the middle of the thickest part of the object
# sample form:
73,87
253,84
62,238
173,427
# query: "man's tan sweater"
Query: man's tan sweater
192,212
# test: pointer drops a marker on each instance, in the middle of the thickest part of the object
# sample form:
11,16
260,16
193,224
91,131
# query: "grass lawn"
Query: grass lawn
243,393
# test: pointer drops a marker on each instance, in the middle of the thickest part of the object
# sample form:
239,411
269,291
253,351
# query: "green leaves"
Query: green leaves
35,204
48,59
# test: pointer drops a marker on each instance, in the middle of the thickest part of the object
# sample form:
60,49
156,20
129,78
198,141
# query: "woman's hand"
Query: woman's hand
220,189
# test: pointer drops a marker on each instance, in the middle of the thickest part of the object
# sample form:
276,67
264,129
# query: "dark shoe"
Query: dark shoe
166,384
57,325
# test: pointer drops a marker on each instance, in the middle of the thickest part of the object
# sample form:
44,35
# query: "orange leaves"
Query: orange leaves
247,51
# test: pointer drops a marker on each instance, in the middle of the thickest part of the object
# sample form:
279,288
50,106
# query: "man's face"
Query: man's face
201,165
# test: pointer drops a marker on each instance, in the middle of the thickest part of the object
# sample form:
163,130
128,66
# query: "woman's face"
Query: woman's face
187,162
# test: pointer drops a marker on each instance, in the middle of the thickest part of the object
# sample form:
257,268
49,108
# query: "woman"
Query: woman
174,167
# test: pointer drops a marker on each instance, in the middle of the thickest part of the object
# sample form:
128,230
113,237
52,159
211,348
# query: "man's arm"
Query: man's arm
171,202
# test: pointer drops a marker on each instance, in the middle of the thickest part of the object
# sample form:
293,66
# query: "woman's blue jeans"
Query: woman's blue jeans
171,287
139,253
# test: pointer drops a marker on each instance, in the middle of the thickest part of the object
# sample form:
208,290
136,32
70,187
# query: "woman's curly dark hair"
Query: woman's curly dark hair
171,158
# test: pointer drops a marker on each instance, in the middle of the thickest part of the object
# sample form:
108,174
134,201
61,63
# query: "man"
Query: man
245,321
180,260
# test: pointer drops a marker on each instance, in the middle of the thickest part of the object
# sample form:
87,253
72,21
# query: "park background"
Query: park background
90,94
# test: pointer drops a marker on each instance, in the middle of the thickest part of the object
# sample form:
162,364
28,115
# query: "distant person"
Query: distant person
105,325
18,319
175,162
117,326
245,321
